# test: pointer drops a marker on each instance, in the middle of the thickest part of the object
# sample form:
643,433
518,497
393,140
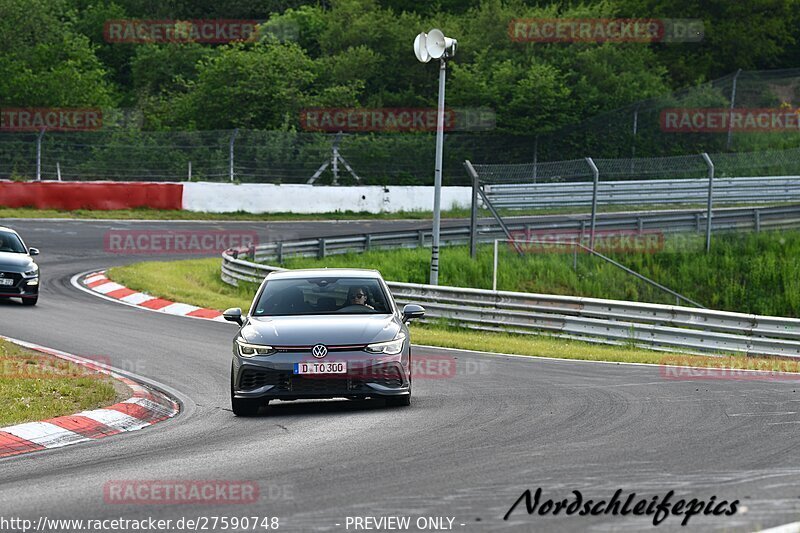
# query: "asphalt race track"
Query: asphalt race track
467,448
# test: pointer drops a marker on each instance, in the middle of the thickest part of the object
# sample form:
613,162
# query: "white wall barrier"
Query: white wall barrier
293,198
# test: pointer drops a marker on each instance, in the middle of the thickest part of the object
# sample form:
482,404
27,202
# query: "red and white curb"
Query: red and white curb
145,408
99,284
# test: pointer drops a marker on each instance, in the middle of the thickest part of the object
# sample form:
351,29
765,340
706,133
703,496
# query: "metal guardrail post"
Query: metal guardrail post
596,174
39,155
230,152
280,253
473,214
710,197
421,237
321,249
757,217
367,242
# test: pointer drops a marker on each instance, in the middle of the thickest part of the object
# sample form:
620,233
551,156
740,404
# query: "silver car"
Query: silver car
323,333
19,273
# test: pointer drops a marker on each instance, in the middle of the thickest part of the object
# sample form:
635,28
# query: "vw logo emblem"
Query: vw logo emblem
319,351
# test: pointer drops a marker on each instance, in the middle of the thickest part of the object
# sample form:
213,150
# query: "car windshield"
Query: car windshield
9,242
322,296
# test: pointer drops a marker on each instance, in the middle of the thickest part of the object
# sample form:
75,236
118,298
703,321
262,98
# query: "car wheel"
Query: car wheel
398,401
30,301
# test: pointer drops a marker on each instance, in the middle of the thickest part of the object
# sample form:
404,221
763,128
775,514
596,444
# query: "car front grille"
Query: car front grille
16,276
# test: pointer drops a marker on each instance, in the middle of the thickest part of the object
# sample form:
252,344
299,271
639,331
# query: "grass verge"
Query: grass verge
171,214
196,281
36,386
744,272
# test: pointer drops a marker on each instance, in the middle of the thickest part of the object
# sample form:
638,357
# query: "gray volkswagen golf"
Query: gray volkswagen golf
324,333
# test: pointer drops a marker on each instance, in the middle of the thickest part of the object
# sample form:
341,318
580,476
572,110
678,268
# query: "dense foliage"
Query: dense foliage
358,53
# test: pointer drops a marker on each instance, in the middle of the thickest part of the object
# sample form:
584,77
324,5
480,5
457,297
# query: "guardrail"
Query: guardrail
690,220
589,319
643,192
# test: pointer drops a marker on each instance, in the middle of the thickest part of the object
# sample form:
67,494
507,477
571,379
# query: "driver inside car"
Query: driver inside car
358,296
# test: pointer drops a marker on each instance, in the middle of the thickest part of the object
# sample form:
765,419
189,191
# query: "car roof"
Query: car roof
325,272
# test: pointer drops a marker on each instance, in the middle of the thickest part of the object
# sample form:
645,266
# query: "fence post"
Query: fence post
473,214
39,155
596,174
494,268
233,138
710,198
58,170
733,102
190,171
757,217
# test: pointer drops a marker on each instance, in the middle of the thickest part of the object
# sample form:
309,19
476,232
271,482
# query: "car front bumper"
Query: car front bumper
20,288
273,377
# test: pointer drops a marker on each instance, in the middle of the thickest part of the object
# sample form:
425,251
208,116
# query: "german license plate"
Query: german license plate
6,281
330,367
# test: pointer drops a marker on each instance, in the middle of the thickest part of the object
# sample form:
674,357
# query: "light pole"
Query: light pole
427,46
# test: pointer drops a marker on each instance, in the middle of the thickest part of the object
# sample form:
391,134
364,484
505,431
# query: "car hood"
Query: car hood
11,262
320,329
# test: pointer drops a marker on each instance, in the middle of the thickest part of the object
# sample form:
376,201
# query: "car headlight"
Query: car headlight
32,273
251,350
392,347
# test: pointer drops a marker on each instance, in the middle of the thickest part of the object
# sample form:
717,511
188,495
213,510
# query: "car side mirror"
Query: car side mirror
33,251
234,314
413,311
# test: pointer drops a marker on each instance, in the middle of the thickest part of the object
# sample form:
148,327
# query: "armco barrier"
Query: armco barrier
590,319
690,220
99,195
644,192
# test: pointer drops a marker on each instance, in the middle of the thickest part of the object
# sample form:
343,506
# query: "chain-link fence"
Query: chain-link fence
631,136
248,156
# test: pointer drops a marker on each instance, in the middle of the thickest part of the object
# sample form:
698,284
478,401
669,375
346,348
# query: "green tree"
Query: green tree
243,86
44,61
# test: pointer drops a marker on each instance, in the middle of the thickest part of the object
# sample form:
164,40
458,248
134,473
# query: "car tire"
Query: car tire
398,401
243,406
30,301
